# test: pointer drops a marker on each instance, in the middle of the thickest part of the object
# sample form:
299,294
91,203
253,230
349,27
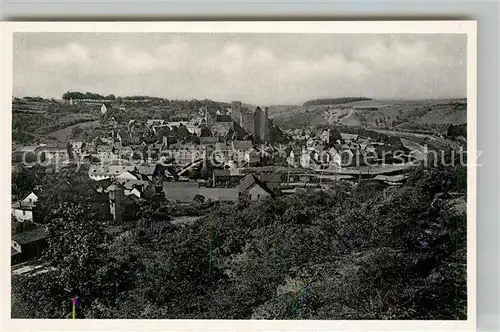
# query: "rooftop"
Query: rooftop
33,235
250,180
242,145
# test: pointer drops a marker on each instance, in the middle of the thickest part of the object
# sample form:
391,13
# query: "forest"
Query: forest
355,251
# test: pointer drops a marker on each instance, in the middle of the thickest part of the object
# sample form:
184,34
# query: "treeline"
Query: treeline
457,130
87,95
334,101
352,252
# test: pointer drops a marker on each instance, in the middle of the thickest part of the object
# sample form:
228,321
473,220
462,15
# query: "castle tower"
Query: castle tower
116,201
236,111
258,115
247,121
264,125
261,124
208,117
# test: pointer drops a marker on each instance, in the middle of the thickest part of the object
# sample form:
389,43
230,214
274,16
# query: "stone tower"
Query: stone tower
236,111
116,201
264,125
209,119
261,124
247,121
257,115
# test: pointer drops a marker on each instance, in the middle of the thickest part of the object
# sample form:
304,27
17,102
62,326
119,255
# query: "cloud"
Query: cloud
131,60
256,69
69,54
395,54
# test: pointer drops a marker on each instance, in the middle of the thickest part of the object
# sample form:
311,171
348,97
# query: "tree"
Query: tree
70,185
82,266
75,245
25,180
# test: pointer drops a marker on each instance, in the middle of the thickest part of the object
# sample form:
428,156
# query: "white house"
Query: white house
23,210
104,109
254,188
76,148
31,199
305,158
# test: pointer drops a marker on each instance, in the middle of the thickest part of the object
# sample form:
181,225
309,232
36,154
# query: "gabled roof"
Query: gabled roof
130,184
221,172
31,148
249,181
221,146
115,187
242,145
208,139
30,236
146,169
32,196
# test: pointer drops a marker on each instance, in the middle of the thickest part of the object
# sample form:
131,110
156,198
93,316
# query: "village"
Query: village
240,175
217,155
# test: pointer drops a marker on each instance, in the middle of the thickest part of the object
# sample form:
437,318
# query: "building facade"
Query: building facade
247,121
236,111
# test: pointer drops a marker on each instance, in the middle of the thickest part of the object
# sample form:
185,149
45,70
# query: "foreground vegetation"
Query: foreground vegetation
353,252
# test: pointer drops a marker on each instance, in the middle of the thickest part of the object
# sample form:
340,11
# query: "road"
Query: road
439,140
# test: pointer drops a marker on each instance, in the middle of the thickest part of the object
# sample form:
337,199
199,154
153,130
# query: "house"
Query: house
221,129
252,187
154,122
116,201
55,152
139,188
27,154
349,137
252,156
208,140
31,199
125,152
293,153
271,180
305,158
240,148
334,157
112,122
242,145
107,152
222,153
104,109
222,178
101,172
122,207
22,211
28,244
194,126
185,154
76,149
176,124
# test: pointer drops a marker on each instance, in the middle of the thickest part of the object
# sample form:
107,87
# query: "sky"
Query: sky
266,69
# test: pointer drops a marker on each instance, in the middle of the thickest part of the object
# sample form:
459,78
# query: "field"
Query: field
427,115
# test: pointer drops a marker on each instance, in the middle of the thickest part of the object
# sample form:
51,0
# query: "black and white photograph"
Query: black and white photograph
228,175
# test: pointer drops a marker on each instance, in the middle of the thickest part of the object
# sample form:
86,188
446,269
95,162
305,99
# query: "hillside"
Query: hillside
432,115
334,101
352,252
